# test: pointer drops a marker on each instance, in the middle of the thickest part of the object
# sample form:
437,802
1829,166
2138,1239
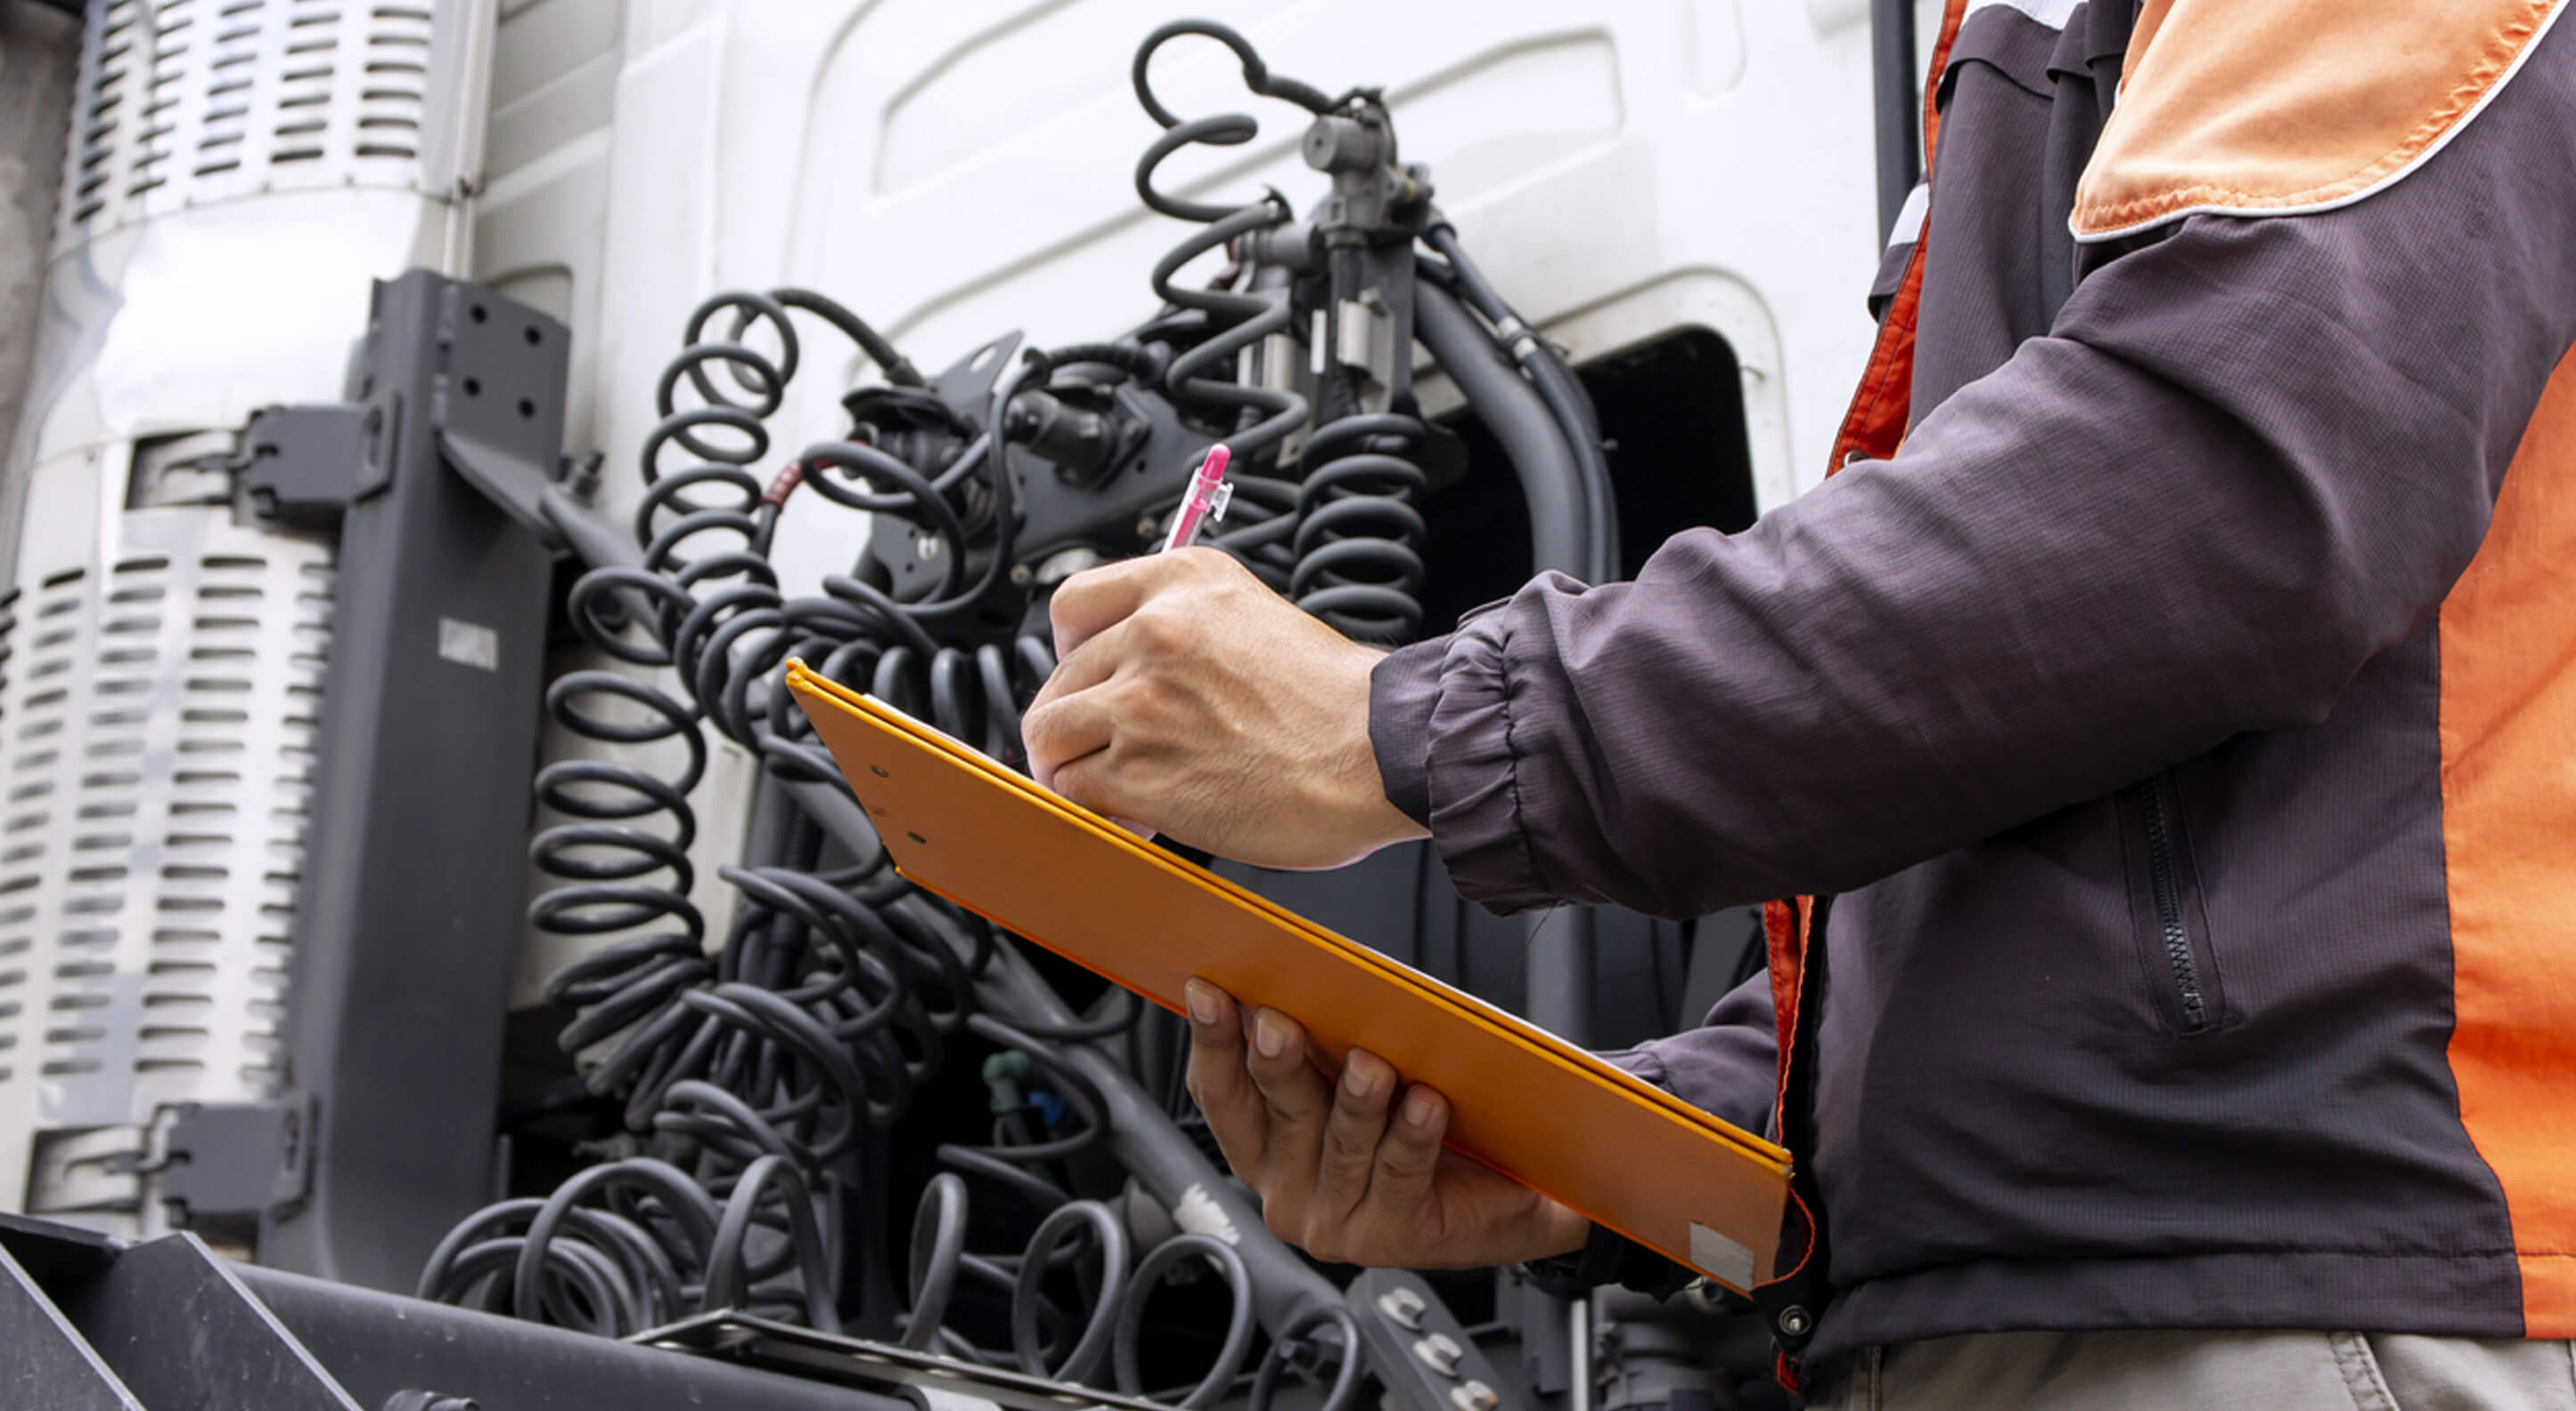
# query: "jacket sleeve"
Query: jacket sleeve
2252,454
1727,1066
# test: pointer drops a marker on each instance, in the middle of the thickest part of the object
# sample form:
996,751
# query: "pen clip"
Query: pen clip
1208,494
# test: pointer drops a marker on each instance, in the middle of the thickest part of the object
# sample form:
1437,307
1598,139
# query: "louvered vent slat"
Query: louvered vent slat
157,735
189,102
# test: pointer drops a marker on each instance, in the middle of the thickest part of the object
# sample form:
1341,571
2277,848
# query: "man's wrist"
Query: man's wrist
1403,686
1373,819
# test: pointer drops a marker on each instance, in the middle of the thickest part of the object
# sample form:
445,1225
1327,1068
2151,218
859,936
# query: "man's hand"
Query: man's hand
1353,1172
1190,699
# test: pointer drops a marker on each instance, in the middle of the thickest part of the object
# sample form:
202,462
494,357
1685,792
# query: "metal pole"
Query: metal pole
1895,101
1578,1338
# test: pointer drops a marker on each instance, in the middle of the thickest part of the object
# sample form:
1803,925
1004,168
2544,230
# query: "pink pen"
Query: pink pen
1208,496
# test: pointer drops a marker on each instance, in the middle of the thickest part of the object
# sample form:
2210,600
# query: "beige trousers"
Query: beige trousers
2204,1371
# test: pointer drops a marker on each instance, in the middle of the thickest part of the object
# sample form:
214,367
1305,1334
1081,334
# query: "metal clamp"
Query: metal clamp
237,1161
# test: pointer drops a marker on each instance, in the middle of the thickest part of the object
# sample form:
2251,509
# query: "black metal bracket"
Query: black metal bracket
47,1362
161,1324
442,477
408,908
236,1162
303,466
88,1323
920,1380
494,397
496,401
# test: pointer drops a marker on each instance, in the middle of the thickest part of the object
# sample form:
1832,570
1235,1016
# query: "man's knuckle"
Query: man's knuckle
1242,1157
1169,627
1280,1221
1345,1144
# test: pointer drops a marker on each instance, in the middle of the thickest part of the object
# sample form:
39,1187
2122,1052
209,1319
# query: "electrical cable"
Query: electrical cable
1240,321
1572,407
1561,533
1222,130
1296,1344
746,1080
1151,1271
749,1075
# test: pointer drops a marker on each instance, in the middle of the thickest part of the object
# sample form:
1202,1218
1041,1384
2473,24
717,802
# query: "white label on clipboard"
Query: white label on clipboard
1721,1258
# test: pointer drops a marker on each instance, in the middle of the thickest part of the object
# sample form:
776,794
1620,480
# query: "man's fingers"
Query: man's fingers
1086,666
1351,1135
1297,1100
1091,601
1234,1110
1062,731
1092,783
1407,1157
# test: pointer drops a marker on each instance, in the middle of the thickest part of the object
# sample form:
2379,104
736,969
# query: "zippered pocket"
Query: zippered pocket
2165,900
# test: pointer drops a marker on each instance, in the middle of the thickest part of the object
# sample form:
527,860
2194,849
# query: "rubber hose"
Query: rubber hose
1552,483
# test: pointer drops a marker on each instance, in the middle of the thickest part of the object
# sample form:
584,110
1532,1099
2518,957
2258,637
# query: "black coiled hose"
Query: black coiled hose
747,1077
726,644
1222,130
1263,416
1347,546
1359,535
1043,1341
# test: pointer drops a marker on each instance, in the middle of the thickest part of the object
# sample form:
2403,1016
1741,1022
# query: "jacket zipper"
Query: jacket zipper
2167,884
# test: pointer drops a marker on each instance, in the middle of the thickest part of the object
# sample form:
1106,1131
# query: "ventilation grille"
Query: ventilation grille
157,738
89,790
39,708
186,102
14,943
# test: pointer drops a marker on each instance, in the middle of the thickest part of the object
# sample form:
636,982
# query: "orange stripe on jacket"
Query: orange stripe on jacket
2508,641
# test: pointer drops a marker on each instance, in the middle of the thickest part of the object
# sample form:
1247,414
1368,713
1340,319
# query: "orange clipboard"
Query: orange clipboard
1631,1156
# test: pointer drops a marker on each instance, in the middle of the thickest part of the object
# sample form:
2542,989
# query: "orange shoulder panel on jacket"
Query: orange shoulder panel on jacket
2257,107
2508,728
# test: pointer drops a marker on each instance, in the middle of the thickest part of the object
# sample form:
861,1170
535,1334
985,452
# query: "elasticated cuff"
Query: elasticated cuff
1403,688
1474,774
